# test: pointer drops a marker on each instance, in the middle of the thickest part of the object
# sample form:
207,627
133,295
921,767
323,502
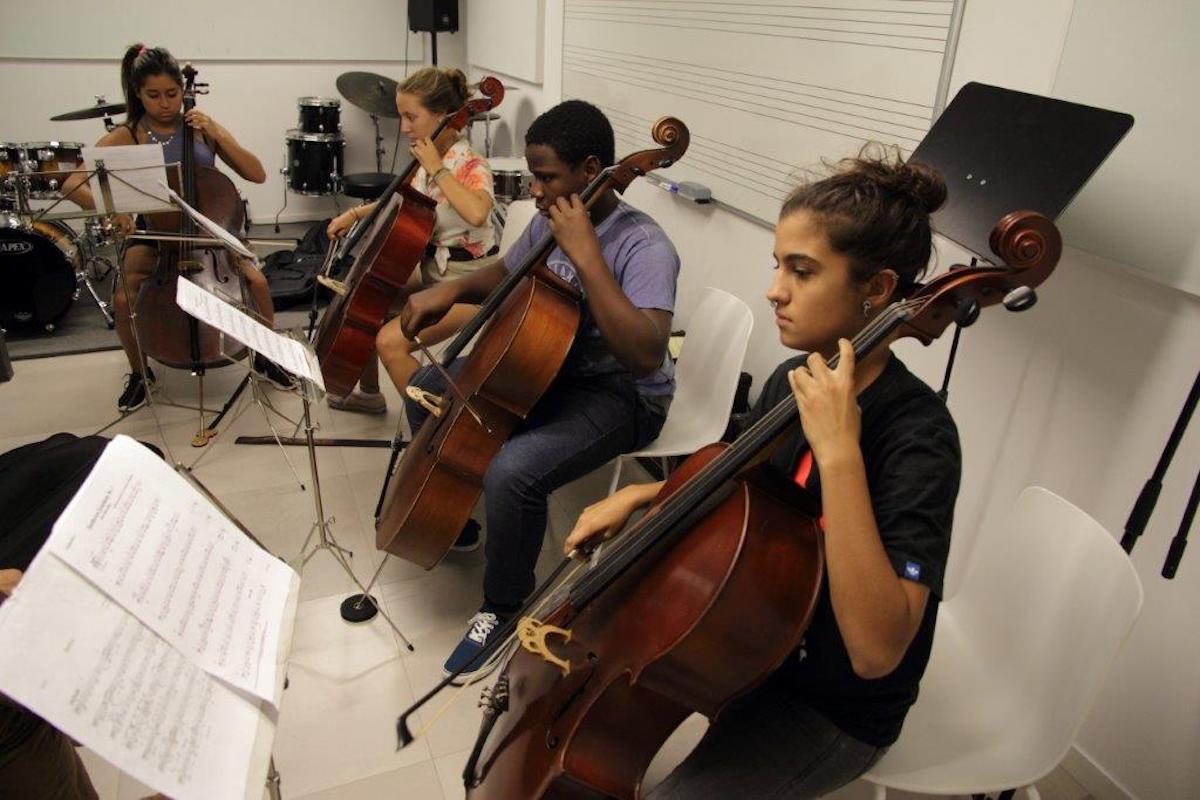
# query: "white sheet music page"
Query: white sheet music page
147,538
72,655
217,232
287,353
136,178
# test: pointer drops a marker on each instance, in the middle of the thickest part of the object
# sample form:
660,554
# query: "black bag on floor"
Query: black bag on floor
292,274
36,483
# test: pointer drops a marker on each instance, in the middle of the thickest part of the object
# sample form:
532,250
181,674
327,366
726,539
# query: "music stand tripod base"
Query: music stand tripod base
359,608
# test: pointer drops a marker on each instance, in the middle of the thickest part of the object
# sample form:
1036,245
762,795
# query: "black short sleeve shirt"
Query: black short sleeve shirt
912,458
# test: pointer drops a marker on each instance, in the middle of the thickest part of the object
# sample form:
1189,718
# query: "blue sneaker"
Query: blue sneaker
474,640
468,539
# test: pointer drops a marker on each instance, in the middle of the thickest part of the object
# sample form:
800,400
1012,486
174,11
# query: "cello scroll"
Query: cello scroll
669,132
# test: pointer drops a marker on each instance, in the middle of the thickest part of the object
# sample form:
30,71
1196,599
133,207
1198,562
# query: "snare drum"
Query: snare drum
511,178
320,114
314,162
49,165
38,268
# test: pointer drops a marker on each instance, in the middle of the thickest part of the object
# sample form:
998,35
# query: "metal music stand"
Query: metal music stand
1000,150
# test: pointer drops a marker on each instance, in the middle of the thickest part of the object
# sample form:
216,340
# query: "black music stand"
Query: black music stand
1000,151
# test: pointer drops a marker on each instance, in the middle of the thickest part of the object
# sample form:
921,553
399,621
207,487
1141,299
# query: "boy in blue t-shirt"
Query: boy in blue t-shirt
612,393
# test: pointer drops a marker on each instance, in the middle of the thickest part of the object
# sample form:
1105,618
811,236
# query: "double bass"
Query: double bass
166,332
702,599
531,320
381,254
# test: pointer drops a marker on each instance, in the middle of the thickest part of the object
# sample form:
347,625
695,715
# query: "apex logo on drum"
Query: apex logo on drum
15,248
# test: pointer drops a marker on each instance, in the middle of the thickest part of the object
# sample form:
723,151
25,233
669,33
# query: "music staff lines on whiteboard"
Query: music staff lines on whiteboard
644,124
637,128
643,9
873,39
683,87
757,110
925,110
636,137
788,95
699,165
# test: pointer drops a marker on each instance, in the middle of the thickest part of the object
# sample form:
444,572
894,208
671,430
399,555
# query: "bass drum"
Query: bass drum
38,268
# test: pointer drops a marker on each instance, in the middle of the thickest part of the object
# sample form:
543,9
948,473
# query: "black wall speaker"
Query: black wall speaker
433,16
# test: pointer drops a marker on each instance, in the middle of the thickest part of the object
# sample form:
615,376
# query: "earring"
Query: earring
866,308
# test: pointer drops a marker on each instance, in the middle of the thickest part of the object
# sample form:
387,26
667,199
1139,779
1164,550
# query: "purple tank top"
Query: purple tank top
173,147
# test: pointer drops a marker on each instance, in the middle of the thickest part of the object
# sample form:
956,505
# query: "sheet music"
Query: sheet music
287,353
77,658
226,238
139,180
155,544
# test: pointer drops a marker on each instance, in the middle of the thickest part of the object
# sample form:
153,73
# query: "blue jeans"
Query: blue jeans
581,423
768,744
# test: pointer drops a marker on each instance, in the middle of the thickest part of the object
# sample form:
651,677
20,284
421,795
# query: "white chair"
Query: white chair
518,216
1020,653
706,378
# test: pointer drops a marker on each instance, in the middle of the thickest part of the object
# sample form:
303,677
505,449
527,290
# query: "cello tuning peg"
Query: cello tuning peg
1021,298
967,313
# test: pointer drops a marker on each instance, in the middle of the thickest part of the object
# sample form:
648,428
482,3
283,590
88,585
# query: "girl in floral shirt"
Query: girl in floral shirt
463,240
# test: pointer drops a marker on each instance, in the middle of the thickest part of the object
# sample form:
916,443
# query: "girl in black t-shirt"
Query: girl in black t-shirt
880,449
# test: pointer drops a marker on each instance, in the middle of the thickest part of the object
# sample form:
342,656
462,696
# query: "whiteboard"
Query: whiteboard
1141,207
769,90
215,30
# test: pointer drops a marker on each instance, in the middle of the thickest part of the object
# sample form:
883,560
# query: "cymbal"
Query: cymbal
373,93
91,112
483,116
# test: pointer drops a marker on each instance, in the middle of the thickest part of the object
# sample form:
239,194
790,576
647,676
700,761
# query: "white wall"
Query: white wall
256,100
1078,395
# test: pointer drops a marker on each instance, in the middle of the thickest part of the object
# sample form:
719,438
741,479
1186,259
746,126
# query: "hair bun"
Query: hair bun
459,81
922,183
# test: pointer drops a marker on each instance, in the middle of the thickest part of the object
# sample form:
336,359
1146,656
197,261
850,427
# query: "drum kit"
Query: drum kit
315,150
44,262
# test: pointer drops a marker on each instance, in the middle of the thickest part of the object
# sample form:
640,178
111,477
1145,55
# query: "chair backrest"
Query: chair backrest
710,362
1051,597
1020,653
520,214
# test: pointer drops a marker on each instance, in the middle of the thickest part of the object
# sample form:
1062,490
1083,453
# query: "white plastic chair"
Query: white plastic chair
517,218
706,378
1019,655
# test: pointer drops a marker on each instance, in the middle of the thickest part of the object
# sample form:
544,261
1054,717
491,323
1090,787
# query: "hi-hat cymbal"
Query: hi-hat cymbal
485,116
373,93
91,112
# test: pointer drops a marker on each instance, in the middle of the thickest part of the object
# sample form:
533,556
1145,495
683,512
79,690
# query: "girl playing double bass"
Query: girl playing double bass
463,238
153,86
880,449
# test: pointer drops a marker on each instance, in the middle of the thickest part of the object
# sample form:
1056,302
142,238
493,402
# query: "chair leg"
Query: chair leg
1032,793
616,478
880,792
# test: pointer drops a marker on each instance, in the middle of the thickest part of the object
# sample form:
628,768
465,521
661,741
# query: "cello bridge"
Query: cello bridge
427,400
532,634
334,285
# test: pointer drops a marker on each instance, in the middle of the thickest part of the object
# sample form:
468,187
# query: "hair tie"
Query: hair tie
142,52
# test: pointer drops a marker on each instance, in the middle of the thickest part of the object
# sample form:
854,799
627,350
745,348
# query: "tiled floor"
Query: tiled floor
336,736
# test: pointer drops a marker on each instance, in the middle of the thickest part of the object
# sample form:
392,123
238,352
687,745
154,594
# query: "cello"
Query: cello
601,680
531,320
381,254
165,332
